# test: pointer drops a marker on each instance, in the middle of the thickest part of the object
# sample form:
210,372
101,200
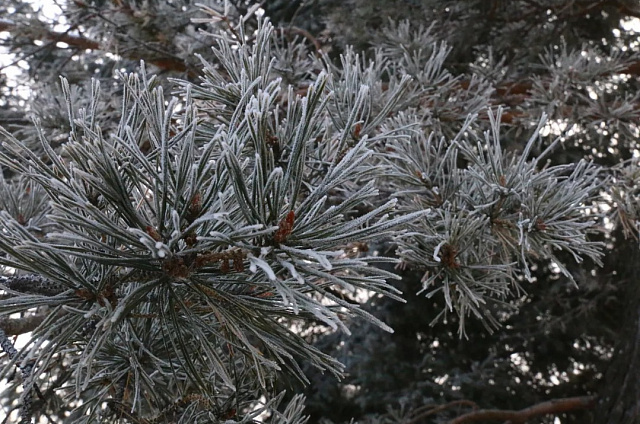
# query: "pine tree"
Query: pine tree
188,237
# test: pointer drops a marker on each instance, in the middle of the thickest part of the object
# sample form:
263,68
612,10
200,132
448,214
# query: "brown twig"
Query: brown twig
555,406
45,34
82,43
304,33
15,326
627,10
426,411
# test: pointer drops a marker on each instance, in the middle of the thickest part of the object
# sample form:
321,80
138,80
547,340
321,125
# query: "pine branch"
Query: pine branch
515,93
27,395
423,412
627,10
32,284
8,117
555,406
43,34
169,63
15,326
304,33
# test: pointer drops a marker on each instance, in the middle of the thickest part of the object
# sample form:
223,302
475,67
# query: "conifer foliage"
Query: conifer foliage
186,238
174,253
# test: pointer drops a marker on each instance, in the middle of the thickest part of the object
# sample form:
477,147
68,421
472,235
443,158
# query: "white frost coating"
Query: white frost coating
253,108
162,250
437,250
320,257
522,223
217,234
257,262
116,314
265,251
90,313
317,312
175,217
322,260
292,270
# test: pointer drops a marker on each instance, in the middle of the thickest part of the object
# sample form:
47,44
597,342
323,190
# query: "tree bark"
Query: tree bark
620,396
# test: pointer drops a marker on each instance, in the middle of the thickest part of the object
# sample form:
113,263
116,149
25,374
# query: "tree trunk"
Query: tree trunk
620,396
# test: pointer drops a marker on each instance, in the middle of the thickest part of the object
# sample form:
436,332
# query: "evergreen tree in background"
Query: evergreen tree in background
408,211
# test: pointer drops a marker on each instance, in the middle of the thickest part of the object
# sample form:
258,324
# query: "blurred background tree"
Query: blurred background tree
569,335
